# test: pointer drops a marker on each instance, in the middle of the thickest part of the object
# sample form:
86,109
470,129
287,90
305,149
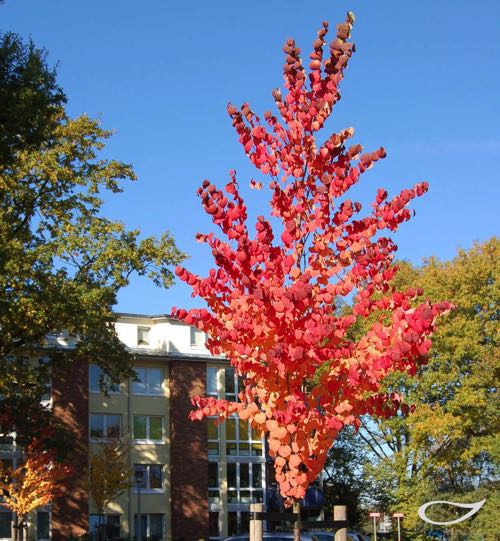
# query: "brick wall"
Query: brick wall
71,406
188,455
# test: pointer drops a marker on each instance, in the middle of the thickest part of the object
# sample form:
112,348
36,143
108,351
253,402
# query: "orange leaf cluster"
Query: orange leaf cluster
273,305
34,483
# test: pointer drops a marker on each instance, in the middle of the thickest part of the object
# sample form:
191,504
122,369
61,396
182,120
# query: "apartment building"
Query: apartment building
167,450
198,478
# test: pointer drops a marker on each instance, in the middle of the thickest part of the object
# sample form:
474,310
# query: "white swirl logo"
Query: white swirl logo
474,508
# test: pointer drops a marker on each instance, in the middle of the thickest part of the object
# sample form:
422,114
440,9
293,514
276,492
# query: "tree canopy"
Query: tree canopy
32,484
29,96
447,447
62,262
274,295
109,472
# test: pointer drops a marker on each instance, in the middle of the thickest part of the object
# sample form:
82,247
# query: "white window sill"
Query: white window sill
150,442
147,394
149,491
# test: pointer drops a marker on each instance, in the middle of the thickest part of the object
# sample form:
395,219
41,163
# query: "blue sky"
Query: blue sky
424,83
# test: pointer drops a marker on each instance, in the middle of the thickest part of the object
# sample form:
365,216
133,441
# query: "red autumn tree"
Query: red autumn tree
273,303
33,484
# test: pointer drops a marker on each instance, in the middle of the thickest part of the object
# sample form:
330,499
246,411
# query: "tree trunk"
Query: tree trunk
16,528
99,528
296,525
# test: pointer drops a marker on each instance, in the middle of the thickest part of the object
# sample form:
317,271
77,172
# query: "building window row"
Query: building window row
42,525
152,526
146,428
149,381
197,337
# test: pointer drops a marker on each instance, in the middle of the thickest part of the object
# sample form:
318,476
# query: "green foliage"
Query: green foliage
61,261
447,448
343,480
29,96
109,472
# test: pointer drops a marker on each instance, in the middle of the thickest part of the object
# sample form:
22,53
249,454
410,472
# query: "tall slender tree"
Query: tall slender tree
273,299
110,475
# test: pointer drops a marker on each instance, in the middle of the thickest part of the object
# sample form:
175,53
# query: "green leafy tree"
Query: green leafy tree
447,448
110,475
343,479
62,262
29,96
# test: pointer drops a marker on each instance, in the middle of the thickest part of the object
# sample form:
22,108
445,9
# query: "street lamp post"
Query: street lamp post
139,480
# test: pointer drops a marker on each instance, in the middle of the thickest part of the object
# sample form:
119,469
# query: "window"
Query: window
213,431
105,425
45,369
43,525
197,338
232,384
110,526
212,381
149,381
143,336
213,482
95,375
237,522
244,482
148,428
6,438
242,439
152,476
5,524
213,524
151,527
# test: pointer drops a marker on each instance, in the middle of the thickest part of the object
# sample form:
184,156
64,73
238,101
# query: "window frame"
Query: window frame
215,489
238,488
148,439
105,515
49,513
238,443
47,395
105,428
6,512
147,479
140,341
147,533
147,392
113,389
194,332
213,443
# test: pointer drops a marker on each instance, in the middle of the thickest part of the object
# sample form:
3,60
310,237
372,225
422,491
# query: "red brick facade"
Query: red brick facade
71,406
189,470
